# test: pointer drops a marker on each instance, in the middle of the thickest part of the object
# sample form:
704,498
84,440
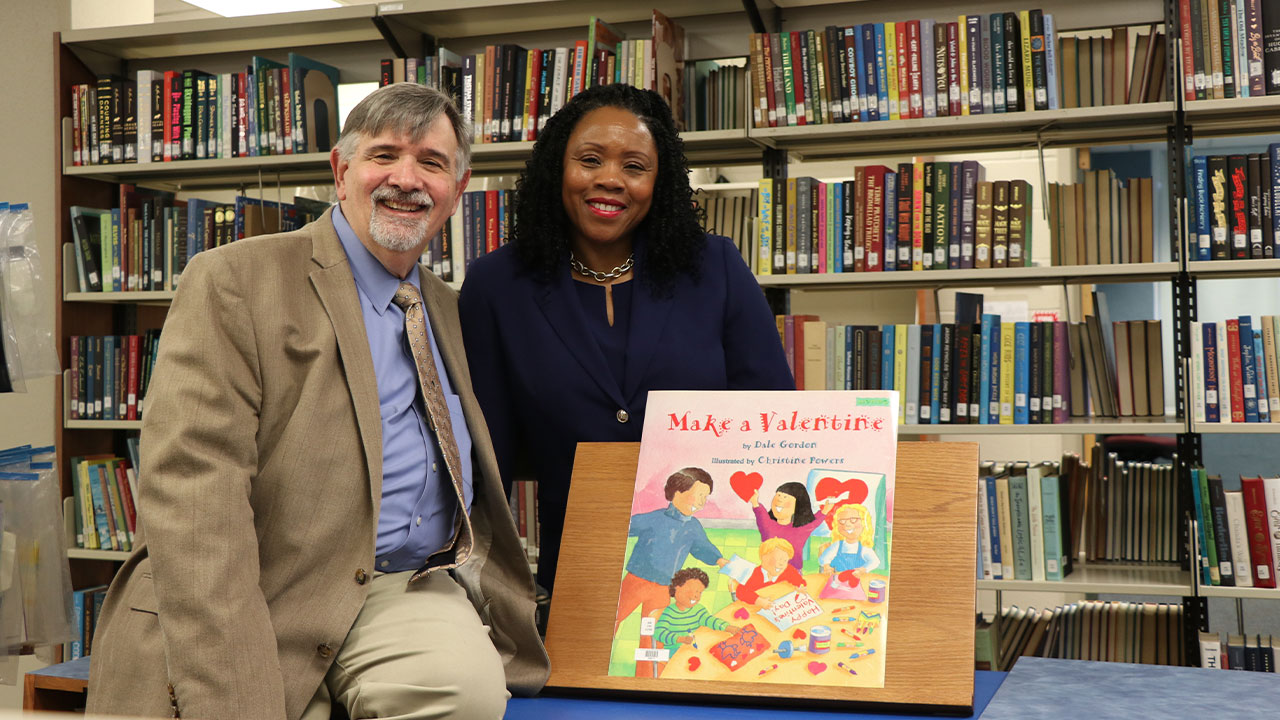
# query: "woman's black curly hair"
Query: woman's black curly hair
674,237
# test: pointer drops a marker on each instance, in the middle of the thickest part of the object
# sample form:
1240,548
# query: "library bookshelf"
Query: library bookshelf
354,39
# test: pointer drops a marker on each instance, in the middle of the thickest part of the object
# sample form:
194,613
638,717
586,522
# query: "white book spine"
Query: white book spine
562,68
1035,511
142,93
1239,538
984,529
1197,372
913,374
1271,488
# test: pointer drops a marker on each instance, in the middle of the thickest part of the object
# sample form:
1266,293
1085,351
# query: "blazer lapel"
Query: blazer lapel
648,319
336,288
559,303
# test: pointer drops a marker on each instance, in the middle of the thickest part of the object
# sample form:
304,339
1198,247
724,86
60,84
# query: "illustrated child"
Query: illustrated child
684,614
775,567
854,533
789,517
665,539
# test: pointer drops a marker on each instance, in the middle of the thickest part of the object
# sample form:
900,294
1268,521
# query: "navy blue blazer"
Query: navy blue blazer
543,381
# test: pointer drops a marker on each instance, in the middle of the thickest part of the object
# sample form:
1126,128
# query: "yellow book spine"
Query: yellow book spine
900,369
891,69
1028,85
963,62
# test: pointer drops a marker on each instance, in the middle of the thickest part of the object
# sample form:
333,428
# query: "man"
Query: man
306,540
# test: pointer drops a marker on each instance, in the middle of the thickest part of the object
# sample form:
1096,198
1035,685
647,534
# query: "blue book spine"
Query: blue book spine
1248,370
77,624
993,519
868,61
935,382
1259,359
984,402
251,117
890,221
1050,508
886,356
848,357
1051,60
90,387
1021,372
836,241
1205,578
1210,331
860,70
993,363
1200,182
1273,150
108,377
882,76
997,61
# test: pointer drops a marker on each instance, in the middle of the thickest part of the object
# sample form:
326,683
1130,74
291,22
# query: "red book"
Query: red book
873,222
1188,53
168,114
904,70
132,362
535,95
242,114
126,497
522,500
798,75
1255,522
1234,370
797,347
953,69
490,220
964,349
914,71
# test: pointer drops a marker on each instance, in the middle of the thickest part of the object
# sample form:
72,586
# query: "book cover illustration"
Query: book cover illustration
758,547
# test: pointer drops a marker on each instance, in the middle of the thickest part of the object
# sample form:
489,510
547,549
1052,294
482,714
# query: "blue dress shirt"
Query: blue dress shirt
418,504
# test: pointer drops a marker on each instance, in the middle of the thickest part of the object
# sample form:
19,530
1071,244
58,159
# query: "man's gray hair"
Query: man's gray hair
409,109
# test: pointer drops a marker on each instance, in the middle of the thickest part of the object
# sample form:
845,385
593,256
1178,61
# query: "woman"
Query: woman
608,289
854,534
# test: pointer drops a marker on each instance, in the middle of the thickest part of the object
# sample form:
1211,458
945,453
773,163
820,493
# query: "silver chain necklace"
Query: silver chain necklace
599,276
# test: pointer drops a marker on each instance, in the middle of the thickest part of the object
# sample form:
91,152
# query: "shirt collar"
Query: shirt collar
674,513
377,284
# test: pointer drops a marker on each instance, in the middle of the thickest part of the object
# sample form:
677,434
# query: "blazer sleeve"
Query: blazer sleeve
199,448
754,358
481,318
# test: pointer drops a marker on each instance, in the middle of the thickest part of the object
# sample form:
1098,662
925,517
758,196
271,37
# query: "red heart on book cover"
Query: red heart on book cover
741,614
799,634
829,487
816,668
848,578
745,484
694,663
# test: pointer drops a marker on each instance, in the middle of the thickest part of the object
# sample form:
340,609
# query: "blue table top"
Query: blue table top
562,708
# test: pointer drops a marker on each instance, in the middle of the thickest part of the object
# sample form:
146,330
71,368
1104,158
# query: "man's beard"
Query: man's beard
394,233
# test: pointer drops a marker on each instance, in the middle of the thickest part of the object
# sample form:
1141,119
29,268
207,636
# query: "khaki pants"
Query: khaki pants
415,652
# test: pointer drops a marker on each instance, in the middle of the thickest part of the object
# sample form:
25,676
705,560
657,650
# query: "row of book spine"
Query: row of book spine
990,372
924,215
1230,48
109,375
86,606
1149,633
270,108
1022,514
145,242
1237,531
1101,221
1235,206
1256,653
1235,373
524,510
103,491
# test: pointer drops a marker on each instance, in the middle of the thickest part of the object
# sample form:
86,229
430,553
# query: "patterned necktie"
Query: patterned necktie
408,299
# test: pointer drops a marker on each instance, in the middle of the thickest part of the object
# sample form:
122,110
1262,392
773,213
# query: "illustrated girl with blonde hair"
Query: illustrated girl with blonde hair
854,531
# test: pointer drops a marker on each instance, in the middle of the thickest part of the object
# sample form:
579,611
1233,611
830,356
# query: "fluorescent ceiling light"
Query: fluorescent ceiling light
238,8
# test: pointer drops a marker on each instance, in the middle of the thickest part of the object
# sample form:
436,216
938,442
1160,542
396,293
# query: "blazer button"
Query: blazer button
623,416
361,576
324,651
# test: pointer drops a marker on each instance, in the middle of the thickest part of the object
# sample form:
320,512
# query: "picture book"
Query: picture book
759,542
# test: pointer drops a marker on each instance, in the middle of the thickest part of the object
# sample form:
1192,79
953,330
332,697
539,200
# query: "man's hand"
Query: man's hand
721,562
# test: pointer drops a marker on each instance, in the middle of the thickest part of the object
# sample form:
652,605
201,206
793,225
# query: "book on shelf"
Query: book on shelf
989,372
1233,212
269,108
1255,653
1235,374
1137,632
921,215
145,242
86,606
523,501
1003,62
1229,50
1101,221
1235,530
109,375
103,491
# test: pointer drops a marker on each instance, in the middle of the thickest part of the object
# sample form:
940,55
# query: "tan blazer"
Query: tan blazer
260,489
